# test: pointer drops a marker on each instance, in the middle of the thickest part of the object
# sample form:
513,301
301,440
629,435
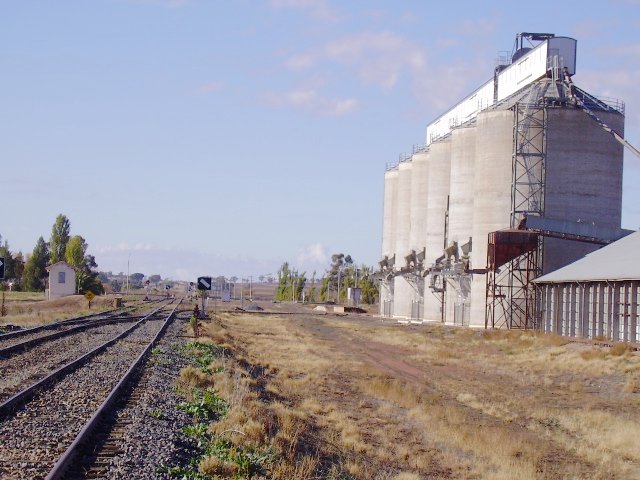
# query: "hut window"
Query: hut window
61,277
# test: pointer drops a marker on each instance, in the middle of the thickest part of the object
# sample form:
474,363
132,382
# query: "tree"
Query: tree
116,286
75,252
137,277
290,284
350,275
59,239
335,277
103,277
13,264
368,288
155,279
35,273
18,270
84,265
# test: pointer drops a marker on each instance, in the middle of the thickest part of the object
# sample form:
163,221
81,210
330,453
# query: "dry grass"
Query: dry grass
593,354
28,313
397,391
619,349
406,476
194,377
215,467
400,402
632,385
24,296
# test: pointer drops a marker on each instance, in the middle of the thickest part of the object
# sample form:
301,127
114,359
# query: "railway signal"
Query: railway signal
203,285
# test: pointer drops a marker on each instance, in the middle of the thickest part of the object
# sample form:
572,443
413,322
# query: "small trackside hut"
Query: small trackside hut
62,280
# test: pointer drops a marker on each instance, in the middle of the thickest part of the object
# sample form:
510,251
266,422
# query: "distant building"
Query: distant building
62,280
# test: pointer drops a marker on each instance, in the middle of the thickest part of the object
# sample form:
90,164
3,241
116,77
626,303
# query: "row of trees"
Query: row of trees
290,284
118,283
342,274
31,274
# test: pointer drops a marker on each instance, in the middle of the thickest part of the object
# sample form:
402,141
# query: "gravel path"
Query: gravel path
32,440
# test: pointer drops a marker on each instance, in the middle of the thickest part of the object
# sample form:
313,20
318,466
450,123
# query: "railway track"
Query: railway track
38,424
143,428
50,330
25,363
10,339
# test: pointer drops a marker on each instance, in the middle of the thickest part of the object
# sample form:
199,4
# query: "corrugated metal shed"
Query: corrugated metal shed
617,261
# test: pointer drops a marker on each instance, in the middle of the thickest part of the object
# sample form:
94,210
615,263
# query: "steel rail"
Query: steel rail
24,395
69,321
7,351
52,325
66,460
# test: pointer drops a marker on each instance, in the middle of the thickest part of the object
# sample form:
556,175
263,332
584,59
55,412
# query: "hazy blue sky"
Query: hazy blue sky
224,137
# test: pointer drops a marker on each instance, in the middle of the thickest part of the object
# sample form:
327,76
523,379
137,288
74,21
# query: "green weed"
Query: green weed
250,460
205,405
198,433
203,354
159,414
184,473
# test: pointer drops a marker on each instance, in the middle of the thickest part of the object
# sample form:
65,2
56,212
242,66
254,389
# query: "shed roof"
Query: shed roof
619,260
49,267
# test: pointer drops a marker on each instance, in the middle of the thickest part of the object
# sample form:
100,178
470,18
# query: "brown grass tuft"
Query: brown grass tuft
619,349
556,340
394,390
213,466
593,354
193,377
632,385
406,476
303,469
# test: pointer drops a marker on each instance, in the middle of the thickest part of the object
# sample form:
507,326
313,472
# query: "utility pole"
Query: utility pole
128,259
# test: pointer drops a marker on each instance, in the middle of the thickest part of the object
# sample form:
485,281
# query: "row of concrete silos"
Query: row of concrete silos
468,175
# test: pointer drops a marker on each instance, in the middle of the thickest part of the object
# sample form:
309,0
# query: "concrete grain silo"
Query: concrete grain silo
388,237
403,292
460,219
418,233
439,169
583,178
528,155
491,193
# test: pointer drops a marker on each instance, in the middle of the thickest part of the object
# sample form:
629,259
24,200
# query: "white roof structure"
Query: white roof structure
617,261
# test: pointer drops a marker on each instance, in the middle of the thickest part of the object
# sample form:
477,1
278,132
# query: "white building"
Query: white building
62,280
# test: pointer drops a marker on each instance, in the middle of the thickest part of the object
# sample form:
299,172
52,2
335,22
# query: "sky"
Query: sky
205,137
